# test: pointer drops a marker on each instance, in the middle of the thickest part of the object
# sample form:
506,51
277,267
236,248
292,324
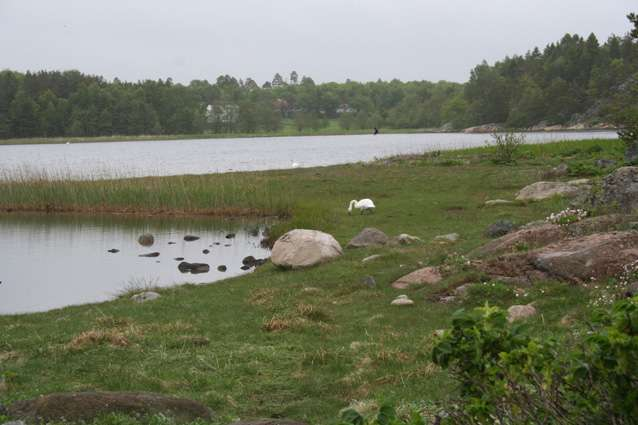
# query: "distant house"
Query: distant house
344,108
225,113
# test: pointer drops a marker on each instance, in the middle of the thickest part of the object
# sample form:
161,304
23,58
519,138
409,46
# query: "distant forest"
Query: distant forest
573,81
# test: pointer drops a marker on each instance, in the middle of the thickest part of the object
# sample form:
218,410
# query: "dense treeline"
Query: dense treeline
573,81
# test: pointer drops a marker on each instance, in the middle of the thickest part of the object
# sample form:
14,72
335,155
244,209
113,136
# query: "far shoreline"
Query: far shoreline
210,136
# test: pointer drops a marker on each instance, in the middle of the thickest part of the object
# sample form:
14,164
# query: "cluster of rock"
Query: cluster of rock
148,240
541,126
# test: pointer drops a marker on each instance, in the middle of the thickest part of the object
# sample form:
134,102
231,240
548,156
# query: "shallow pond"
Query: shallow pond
48,262
175,157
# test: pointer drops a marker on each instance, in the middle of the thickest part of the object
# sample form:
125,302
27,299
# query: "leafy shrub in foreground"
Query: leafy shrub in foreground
507,376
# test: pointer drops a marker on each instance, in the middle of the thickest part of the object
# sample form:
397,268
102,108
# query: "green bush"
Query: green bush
506,147
584,169
594,149
508,377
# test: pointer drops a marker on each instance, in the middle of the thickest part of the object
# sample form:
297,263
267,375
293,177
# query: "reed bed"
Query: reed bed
217,194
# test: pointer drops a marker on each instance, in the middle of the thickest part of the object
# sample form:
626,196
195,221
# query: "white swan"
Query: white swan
363,205
294,164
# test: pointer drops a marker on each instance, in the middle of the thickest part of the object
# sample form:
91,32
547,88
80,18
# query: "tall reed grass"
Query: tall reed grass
220,194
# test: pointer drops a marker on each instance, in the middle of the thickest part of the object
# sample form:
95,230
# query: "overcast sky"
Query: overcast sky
329,40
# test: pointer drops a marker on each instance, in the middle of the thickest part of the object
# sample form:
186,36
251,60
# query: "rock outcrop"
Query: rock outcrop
544,190
304,248
485,128
596,256
525,238
620,189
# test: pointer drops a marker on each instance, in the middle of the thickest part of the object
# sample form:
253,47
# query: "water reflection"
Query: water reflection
174,157
54,261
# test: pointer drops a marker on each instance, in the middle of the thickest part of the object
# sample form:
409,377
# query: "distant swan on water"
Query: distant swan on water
363,205
294,164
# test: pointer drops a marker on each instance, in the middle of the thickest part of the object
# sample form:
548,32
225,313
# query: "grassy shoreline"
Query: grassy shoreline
299,344
330,131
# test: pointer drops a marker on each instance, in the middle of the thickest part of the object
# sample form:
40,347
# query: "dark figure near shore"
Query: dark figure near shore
376,131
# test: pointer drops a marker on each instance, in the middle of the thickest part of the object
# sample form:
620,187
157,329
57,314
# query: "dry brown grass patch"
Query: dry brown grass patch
170,327
392,356
94,337
262,296
113,322
311,312
9,355
189,341
280,323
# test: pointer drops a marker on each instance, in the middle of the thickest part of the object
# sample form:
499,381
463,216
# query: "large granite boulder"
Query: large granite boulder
544,190
620,189
85,406
304,248
368,237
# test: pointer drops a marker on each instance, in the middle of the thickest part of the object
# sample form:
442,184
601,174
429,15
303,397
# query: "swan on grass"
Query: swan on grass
363,205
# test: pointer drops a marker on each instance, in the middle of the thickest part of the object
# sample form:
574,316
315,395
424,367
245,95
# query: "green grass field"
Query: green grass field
299,344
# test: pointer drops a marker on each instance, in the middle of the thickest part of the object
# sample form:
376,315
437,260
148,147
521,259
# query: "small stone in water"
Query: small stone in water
150,255
230,236
194,268
205,251
221,268
114,251
171,243
190,238
245,267
178,258
146,239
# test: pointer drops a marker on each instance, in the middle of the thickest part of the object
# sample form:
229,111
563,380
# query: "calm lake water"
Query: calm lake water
174,157
55,261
